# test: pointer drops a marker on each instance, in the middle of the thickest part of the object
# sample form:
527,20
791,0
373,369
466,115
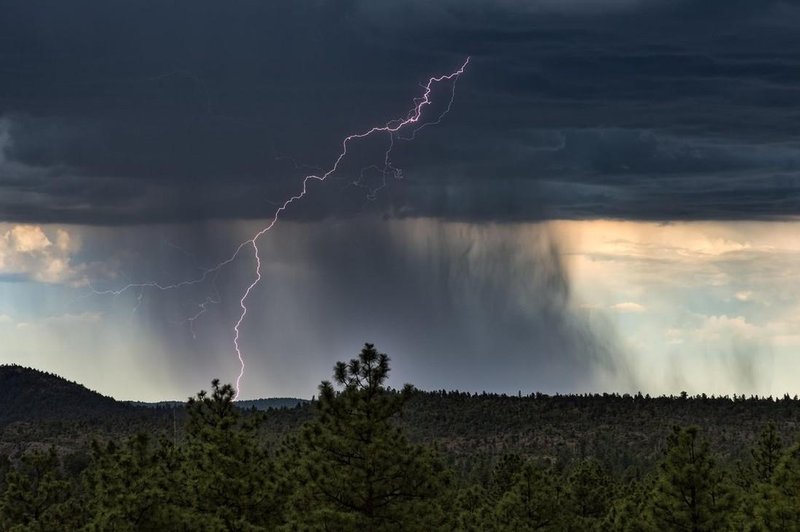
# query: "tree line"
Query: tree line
352,467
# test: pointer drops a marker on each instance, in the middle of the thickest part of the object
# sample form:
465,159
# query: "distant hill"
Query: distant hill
259,404
29,395
39,409
158,404
272,403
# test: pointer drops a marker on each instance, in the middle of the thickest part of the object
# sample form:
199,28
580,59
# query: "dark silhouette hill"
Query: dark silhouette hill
36,398
30,395
41,409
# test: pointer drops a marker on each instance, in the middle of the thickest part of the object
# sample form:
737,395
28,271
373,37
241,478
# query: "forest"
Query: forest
364,456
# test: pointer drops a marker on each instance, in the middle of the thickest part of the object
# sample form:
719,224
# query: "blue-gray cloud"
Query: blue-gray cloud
121,113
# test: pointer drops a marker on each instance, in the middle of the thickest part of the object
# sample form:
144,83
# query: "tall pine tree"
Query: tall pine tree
354,467
229,478
691,493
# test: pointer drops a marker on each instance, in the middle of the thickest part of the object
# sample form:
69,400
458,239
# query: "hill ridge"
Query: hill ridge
29,394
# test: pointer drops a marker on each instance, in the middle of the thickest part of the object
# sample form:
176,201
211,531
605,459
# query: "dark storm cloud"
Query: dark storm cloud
128,112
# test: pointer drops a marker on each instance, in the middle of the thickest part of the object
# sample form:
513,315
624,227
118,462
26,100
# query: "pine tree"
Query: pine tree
220,479
766,453
628,512
472,510
754,479
229,477
589,494
691,493
5,467
35,493
504,474
778,505
354,466
133,486
534,502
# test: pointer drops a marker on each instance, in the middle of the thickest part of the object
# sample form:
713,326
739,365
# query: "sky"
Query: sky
610,204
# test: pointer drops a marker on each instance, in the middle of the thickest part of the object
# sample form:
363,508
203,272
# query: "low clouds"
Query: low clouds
29,252
720,300
744,295
627,307
56,323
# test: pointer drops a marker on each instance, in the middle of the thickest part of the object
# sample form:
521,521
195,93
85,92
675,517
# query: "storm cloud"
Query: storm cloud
142,141
111,112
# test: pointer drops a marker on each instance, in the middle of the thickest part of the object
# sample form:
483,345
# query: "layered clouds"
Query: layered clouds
709,307
571,109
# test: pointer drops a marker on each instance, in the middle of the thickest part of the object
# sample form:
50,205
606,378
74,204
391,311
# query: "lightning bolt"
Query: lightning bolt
412,121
